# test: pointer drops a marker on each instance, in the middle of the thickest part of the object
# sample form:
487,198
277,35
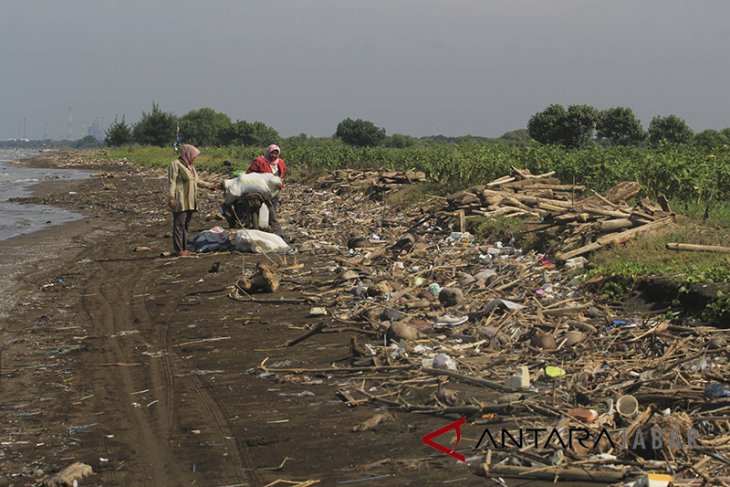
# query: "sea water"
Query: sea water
16,181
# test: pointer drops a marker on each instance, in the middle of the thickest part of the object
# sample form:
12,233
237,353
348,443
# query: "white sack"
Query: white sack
265,184
258,242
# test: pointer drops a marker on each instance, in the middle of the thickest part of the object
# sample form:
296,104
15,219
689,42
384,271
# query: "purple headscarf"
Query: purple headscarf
188,154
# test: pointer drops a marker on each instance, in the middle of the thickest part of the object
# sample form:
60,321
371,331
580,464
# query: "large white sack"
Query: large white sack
265,184
258,242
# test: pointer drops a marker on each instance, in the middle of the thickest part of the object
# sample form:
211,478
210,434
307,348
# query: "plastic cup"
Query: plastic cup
627,406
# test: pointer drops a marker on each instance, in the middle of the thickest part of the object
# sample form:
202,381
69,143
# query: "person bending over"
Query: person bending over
271,163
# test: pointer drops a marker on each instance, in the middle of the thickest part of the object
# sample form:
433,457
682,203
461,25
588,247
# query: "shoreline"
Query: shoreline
45,248
23,179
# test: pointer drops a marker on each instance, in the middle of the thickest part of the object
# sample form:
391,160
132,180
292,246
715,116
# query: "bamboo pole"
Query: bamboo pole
698,248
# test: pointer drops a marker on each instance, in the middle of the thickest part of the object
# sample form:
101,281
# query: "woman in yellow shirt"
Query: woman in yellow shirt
182,196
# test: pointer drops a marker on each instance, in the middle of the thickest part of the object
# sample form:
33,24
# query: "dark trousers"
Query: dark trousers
274,205
180,222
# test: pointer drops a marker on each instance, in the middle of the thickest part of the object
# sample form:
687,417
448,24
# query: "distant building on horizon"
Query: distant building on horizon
96,129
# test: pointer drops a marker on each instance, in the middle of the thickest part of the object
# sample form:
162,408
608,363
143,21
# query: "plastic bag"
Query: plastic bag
264,217
258,242
265,184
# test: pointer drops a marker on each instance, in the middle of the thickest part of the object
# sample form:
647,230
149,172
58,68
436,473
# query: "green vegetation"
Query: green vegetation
88,142
155,128
118,134
254,134
205,128
670,129
619,126
649,256
572,128
360,133
685,173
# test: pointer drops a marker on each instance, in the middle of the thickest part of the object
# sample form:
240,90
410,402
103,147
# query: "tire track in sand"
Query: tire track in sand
238,465
107,306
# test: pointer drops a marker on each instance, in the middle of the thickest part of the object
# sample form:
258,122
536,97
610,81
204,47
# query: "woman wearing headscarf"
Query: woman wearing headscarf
271,163
182,196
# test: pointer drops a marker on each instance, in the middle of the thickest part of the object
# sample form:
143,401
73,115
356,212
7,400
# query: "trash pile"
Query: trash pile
452,326
580,225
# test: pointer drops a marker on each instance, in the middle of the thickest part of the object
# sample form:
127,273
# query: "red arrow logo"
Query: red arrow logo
456,425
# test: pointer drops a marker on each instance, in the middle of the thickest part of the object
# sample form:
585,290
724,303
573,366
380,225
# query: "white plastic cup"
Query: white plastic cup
627,406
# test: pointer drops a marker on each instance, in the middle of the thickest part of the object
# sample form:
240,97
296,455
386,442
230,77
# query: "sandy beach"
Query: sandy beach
141,367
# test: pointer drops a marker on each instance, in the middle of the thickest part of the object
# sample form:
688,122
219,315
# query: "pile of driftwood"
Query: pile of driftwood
579,224
445,325
373,183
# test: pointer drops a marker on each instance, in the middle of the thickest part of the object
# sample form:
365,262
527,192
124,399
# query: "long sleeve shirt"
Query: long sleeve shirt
183,186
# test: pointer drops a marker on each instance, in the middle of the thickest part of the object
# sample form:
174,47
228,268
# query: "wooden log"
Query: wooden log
550,207
539,193
265,280
528,183
698,248
645,216
499,211
622,237
502,180
528,203
606,226
566,217
565,474
595,210
516,203
556,187
614,238
534,201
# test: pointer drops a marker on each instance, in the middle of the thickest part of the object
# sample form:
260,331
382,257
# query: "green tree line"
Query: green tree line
576,126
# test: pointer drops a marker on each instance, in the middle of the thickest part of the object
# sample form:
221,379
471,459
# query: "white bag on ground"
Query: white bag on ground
258,242
265,184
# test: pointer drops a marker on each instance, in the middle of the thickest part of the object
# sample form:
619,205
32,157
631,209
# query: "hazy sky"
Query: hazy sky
418,67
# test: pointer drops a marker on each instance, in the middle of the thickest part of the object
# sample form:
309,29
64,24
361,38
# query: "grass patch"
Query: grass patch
718,214
500,228
648,256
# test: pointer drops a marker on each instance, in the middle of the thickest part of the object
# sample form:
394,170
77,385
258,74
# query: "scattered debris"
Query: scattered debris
451,325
